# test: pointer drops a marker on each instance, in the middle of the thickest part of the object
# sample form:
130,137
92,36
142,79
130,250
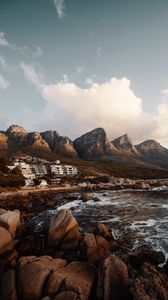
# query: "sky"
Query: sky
74,65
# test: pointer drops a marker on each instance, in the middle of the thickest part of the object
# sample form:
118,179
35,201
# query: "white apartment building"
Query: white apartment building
25,169
63,170
57,170
70,170
39,169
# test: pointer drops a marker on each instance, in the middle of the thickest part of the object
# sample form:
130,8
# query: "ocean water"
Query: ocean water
141,217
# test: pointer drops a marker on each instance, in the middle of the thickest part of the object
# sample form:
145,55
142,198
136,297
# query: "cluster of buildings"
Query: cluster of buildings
35,168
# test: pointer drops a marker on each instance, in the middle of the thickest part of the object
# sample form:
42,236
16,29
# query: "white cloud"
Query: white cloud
4,83
24,50
31,75
60,8
3,40
113,105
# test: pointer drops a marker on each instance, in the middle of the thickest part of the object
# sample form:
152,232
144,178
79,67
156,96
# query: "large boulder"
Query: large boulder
10,220
5,240
63,230
33,273
104,231
94,248
150,283
146,253
78,277
115,279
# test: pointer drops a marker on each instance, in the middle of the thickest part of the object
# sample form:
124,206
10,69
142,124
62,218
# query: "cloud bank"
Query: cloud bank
112,105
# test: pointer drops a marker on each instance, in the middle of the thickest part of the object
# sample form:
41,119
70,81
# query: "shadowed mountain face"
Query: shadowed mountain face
93,145
124,143
151,151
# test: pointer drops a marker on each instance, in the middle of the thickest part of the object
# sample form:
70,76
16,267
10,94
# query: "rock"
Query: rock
141,185
96,199
2,211
104,231
103,247
10,258
67,296
33,273
89,248
94,248
78,277
11,221
86,197
149,284
146,253
71,240
113,246
115,279
5,240
8,286
60,226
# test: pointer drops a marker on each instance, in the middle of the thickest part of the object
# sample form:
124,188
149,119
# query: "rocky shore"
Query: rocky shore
64,262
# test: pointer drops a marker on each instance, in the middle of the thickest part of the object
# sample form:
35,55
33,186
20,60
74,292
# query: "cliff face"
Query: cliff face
124,143
59,144
94,144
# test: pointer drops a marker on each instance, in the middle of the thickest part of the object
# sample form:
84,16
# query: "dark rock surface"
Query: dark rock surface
90,269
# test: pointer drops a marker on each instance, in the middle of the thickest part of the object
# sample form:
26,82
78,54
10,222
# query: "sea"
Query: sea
140,217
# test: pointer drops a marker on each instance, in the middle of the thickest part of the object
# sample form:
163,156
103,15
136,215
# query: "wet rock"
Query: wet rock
11,221
146,253
33,273
113,246
71,240
96,199
25,244
141,185
10,258
67,296
115,279
94,248
104,231
5,240
103,247
78,277
8,286
63,230
86,197
149,284
89,248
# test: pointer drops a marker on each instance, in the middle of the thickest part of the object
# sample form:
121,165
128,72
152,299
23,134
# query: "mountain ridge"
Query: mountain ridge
93,145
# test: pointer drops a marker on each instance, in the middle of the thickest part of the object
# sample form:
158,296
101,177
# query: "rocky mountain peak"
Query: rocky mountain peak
93,144
59,144
123,141
16,130
150,145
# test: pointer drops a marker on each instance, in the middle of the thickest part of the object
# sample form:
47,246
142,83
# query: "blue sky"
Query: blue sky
75,65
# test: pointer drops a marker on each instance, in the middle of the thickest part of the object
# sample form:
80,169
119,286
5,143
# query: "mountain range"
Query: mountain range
92,146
